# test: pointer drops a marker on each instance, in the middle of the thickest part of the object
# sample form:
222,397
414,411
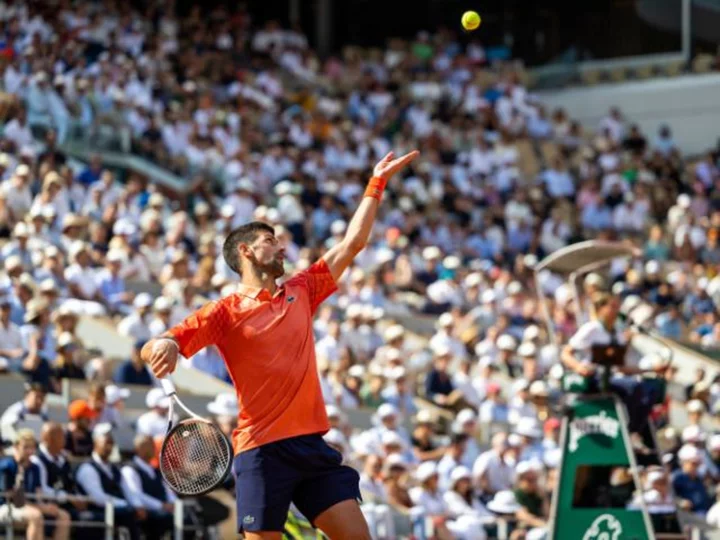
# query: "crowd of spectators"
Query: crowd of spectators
269,132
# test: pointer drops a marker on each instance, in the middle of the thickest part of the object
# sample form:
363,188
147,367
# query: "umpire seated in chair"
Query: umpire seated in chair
594,361
144,487
56,479
101,481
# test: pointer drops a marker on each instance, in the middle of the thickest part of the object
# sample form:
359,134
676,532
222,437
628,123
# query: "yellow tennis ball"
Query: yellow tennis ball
470,20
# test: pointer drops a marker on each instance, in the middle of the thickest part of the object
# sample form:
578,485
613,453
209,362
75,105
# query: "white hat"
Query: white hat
102,429
48,285
486,361
225,404
594,279
504,502
531,332
424,416
652,477
652,267
695,406
335,436
77,247
157,398
506,343
693,434
357,371
514,440
552,458
527,350
431,253
683,200
484,348
452,262
528,427
397,372
21,229
333,411
714,443
338,226
445,320
465,416
425,471
524,467
227,210
539,388
514,287
162,304
396,460
391,438
65,339
354,311
377,313
442,349
473,280
689,453
143,300
115,255
393,332
22,170
13,261
283,188
488,296
459,473
114,393
387,409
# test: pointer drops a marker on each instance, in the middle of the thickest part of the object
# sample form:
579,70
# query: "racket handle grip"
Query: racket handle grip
168,387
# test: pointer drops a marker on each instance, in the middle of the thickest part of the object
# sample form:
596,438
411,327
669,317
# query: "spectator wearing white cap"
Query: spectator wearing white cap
656,493
18,196
466,422
154,422
162,310
520,404
112,413
394,337
12,347
534,509
491,471
452,458
688,484
80,275
462,380
112,286
371,480
136,324
464,506
530,432
506,346
19,245
242,200
428,499
444,337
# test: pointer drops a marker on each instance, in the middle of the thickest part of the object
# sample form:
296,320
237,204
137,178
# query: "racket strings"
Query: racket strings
195,457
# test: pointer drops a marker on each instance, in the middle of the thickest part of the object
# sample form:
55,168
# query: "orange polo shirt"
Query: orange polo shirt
268,345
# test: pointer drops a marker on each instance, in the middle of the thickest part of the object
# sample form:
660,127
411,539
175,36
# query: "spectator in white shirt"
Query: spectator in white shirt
12,350
491,472
31,406
628,216
18,196
136,325
154,422
162,307
18,130
371,485
464,506
144,488
444,337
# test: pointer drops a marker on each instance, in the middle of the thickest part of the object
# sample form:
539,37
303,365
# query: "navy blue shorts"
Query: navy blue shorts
303,470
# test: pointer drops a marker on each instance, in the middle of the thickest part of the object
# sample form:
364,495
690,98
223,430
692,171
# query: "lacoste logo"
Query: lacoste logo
248,520
291,299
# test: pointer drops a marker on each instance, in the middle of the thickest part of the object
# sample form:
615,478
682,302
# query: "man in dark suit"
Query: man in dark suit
20,476
144,487
56,478
101,481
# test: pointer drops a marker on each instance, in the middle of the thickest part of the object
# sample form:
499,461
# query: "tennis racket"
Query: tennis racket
195,456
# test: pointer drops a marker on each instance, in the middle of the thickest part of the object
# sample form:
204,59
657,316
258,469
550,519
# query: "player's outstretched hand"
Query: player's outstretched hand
161,355
388,166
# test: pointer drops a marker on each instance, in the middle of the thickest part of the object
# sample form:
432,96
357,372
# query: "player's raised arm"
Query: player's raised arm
339,257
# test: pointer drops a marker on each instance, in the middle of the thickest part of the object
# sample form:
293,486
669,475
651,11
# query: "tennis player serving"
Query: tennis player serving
265,334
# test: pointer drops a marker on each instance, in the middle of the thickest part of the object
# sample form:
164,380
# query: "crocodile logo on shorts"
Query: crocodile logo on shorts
605,527
248,520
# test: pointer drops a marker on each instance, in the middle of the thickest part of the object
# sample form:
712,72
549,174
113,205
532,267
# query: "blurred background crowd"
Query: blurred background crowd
434,339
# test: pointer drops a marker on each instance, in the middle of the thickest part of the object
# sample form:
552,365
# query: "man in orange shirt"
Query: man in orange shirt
265,334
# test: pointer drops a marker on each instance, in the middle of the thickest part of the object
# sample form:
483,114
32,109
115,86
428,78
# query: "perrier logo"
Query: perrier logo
590,425
605,527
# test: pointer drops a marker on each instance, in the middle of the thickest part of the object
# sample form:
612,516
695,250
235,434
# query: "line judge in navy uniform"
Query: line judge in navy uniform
56,477
101,481
144,487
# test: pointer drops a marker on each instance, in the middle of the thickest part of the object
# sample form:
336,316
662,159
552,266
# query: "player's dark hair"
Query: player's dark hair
246,234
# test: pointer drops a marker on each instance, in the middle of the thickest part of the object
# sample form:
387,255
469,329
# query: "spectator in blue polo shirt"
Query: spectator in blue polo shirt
134,371
687,482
